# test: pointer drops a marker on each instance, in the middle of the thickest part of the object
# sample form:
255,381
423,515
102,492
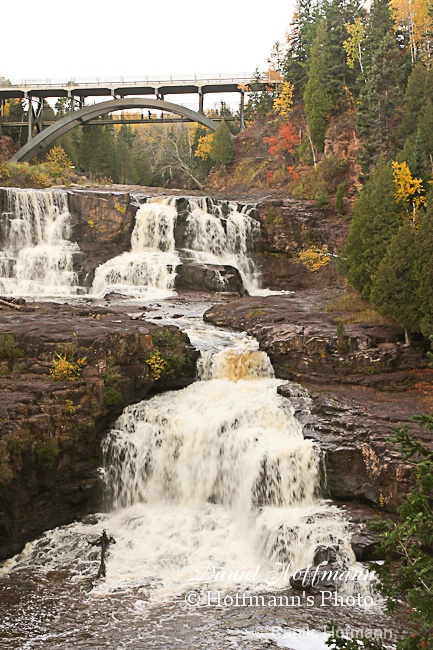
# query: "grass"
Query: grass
354,309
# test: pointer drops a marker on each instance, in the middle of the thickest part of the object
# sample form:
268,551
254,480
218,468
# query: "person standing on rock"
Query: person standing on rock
104,542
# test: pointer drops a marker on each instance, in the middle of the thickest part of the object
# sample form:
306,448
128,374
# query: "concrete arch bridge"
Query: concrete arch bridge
48,136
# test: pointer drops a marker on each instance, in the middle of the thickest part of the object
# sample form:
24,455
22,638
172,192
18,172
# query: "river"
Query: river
212,495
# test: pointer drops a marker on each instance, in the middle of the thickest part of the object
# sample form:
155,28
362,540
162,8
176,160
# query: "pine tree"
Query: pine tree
394,290
380,96
338,13
425,125
425,267
260,100
317,96
376,219
125,171
221,150
300,39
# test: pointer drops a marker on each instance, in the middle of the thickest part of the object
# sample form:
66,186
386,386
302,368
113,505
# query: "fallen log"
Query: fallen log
7,303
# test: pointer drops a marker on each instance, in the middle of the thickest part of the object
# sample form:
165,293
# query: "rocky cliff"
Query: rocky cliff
65,375
356,385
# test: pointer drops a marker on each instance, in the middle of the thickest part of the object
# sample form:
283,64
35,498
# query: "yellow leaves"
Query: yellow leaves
414,17
58,160
314,258
284,102
67,369
157,365
409,189
204,146
352,45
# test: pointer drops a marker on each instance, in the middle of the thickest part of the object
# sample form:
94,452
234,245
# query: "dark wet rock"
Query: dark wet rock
301,340
50,431
365,546
192,275
288,226
327,554
102,224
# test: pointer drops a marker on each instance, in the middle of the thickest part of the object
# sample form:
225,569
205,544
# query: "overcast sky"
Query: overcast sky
85,38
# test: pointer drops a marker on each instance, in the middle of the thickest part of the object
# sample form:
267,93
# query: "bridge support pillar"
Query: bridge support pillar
242,111
34,117
29,120
1,117
201,102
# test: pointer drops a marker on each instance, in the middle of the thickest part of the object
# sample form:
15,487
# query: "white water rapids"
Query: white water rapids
211,486
36,256
208,488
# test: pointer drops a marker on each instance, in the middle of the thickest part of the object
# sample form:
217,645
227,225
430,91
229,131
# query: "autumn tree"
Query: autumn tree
58,160
409,191
284,101
414,18
352,44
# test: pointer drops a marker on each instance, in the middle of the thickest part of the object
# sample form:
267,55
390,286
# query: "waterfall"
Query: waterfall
36,256
215,239
216,473
212,236
149,269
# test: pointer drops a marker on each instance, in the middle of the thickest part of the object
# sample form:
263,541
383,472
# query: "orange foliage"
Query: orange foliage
285,143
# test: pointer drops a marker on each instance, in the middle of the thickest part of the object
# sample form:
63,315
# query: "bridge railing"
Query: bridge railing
209,78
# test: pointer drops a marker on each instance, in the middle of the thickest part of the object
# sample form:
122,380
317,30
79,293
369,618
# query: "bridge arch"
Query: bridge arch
76,118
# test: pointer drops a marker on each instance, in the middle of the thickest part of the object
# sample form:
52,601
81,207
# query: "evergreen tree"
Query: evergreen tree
221,150
97,151
425,267
415,98
317,96
380,96
261,99
425,125
300,39
376,219
338,13
394,290
125,171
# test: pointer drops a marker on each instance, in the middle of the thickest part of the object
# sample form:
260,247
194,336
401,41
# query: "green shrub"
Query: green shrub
339,198
112,394
47,450
8,348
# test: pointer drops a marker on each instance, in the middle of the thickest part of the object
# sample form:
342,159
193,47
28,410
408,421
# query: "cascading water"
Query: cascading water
149,269
212,492
36,257
217,239
219,475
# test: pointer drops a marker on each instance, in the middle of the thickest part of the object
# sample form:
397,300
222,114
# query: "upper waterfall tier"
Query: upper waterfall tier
144,247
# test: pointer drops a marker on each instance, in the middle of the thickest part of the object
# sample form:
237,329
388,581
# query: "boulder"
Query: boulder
195,276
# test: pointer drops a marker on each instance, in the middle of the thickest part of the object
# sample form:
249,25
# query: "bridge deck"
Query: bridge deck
124,86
